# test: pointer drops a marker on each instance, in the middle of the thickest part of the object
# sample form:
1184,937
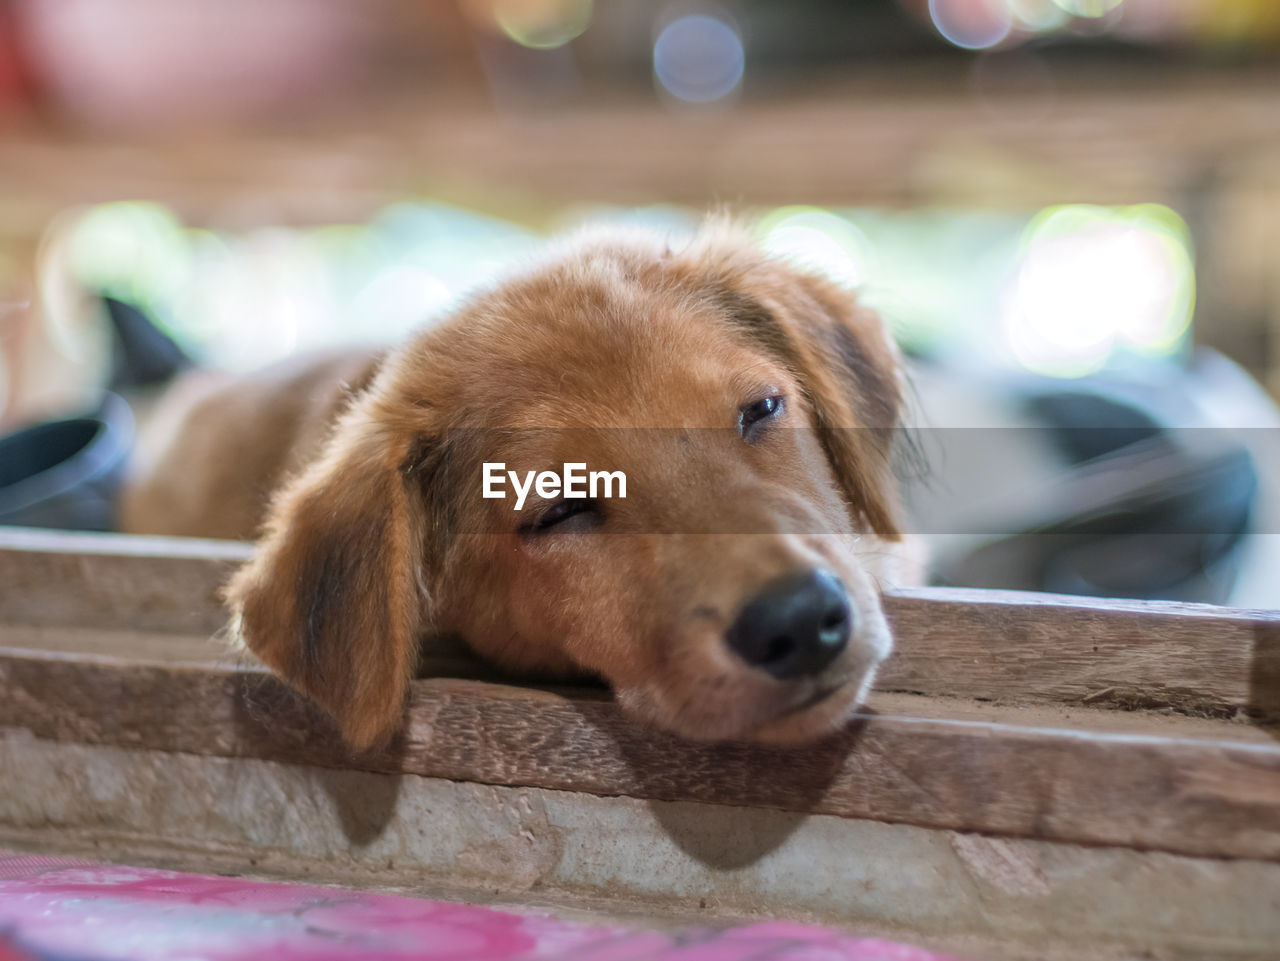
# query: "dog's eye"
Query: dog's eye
753,419
564,510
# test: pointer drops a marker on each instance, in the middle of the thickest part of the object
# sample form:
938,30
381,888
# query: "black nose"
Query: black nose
795,627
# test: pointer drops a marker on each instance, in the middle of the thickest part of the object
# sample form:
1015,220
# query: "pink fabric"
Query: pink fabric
55,909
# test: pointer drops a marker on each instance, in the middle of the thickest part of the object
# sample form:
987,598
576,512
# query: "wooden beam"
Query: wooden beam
885,140
645,862
123,724
114,581
1215,798
1020,647
1008,647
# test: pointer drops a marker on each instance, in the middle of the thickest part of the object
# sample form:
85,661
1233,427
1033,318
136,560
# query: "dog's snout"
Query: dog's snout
795,627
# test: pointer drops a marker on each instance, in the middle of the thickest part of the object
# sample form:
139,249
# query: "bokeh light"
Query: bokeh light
1091,9
983,24
541,24
820,241
1037,16
403,295
241,300
131,250
972,24
1091,280
1071,291
699,58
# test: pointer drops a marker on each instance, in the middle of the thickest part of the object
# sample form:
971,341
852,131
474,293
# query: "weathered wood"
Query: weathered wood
1021,647
114,581
657,862
87,645
1011,647
1214,798
107,668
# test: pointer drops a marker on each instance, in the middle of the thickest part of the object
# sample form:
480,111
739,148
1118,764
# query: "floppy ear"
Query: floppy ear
850,371
330,599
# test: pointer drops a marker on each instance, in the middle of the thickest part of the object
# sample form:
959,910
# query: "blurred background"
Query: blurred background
1067,210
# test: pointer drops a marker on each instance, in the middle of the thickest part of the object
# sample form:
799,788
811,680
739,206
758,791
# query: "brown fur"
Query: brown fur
379,535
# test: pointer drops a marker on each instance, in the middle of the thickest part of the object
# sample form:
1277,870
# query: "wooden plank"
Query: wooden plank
115,581
1021,647
969,895
1009,647
886,140
146,648
88,644
1197,797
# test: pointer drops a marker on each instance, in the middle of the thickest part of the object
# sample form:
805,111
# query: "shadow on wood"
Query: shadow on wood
794,779
1264,677
270,718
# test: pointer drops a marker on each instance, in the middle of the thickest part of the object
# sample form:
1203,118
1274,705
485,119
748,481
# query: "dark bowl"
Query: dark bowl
66,473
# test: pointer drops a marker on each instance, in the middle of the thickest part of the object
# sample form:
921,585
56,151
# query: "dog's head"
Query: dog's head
750,408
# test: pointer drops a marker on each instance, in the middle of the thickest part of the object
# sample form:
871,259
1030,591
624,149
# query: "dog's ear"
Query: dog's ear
330,599
849,369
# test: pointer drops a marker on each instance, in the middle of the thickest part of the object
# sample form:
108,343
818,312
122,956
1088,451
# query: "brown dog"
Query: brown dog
728,595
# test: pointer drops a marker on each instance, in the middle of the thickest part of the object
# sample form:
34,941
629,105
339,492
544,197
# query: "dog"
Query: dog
730,595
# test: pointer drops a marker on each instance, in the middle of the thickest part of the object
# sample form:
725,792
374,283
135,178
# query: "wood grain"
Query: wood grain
114,581
1008,647
1019,647
972,896
1214,798
888,140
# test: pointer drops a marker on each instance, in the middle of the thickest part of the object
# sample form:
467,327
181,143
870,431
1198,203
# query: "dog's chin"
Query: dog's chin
824,714
819,712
